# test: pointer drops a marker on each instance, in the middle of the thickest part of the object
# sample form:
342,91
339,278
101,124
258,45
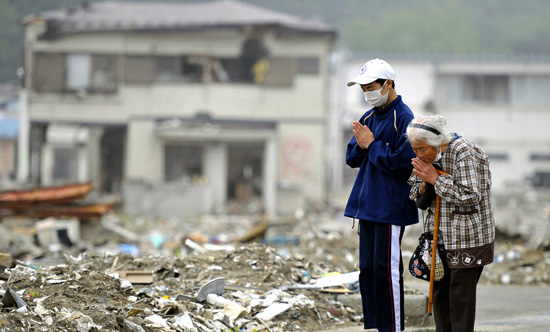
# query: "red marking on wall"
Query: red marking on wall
298,151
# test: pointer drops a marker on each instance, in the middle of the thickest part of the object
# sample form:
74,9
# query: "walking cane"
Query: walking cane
434,248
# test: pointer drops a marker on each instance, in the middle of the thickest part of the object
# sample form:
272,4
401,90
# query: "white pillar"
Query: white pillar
23,154
46,171
270,178
144,153
83,166
215,169
336,142
93,157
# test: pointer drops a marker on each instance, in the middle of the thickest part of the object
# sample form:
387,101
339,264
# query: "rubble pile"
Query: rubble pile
524,213
208,273
517,264
88,294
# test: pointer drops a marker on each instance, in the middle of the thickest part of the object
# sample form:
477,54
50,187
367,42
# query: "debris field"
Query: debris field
216,273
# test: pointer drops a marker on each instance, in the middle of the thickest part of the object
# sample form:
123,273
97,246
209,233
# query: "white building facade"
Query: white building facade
183,108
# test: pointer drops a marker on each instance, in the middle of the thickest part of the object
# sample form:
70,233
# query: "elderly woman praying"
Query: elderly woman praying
466,222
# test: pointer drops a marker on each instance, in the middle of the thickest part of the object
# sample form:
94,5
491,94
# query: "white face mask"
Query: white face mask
375,98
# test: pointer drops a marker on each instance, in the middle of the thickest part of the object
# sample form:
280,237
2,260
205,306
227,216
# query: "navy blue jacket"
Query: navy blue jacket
381,191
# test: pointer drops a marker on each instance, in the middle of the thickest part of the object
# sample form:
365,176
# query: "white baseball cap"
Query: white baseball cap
373,70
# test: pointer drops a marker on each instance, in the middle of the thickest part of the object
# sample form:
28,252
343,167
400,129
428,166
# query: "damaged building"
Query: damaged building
180,108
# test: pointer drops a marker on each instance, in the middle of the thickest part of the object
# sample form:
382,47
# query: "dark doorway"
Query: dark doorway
112,159
245,172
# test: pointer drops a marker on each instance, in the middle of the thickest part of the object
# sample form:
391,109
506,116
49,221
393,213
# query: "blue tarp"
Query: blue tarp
8,128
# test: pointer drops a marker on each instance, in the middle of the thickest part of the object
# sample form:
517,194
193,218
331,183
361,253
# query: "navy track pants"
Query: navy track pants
381,276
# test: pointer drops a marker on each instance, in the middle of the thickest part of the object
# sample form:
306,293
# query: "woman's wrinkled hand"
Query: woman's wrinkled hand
425,171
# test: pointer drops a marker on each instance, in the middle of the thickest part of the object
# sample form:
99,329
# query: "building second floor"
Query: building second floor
110,61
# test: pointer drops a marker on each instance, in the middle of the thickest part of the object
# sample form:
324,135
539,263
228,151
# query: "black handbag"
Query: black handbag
421,260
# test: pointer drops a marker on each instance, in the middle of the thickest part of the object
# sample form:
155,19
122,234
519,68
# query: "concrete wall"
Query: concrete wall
516,132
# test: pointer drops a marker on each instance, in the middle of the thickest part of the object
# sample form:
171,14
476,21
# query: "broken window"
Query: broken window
78,71
104,73
182,162
146,69
253,54
255,65
268,71
193,69
198,68
219,72
168,68
91,73
232,68
49,72
308,66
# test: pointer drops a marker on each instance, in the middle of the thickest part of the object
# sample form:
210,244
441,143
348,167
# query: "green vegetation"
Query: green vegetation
429,29
34,294
505,27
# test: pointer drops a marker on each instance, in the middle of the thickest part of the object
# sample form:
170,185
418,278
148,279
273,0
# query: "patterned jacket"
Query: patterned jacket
466,221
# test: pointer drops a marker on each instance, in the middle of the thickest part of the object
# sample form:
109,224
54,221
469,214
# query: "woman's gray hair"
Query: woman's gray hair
430,129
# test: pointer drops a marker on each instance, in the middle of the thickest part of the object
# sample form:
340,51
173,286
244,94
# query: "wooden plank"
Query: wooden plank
137,277
15,199
256,233
336,290
90,211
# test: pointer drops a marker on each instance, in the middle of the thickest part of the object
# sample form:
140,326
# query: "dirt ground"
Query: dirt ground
80,288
